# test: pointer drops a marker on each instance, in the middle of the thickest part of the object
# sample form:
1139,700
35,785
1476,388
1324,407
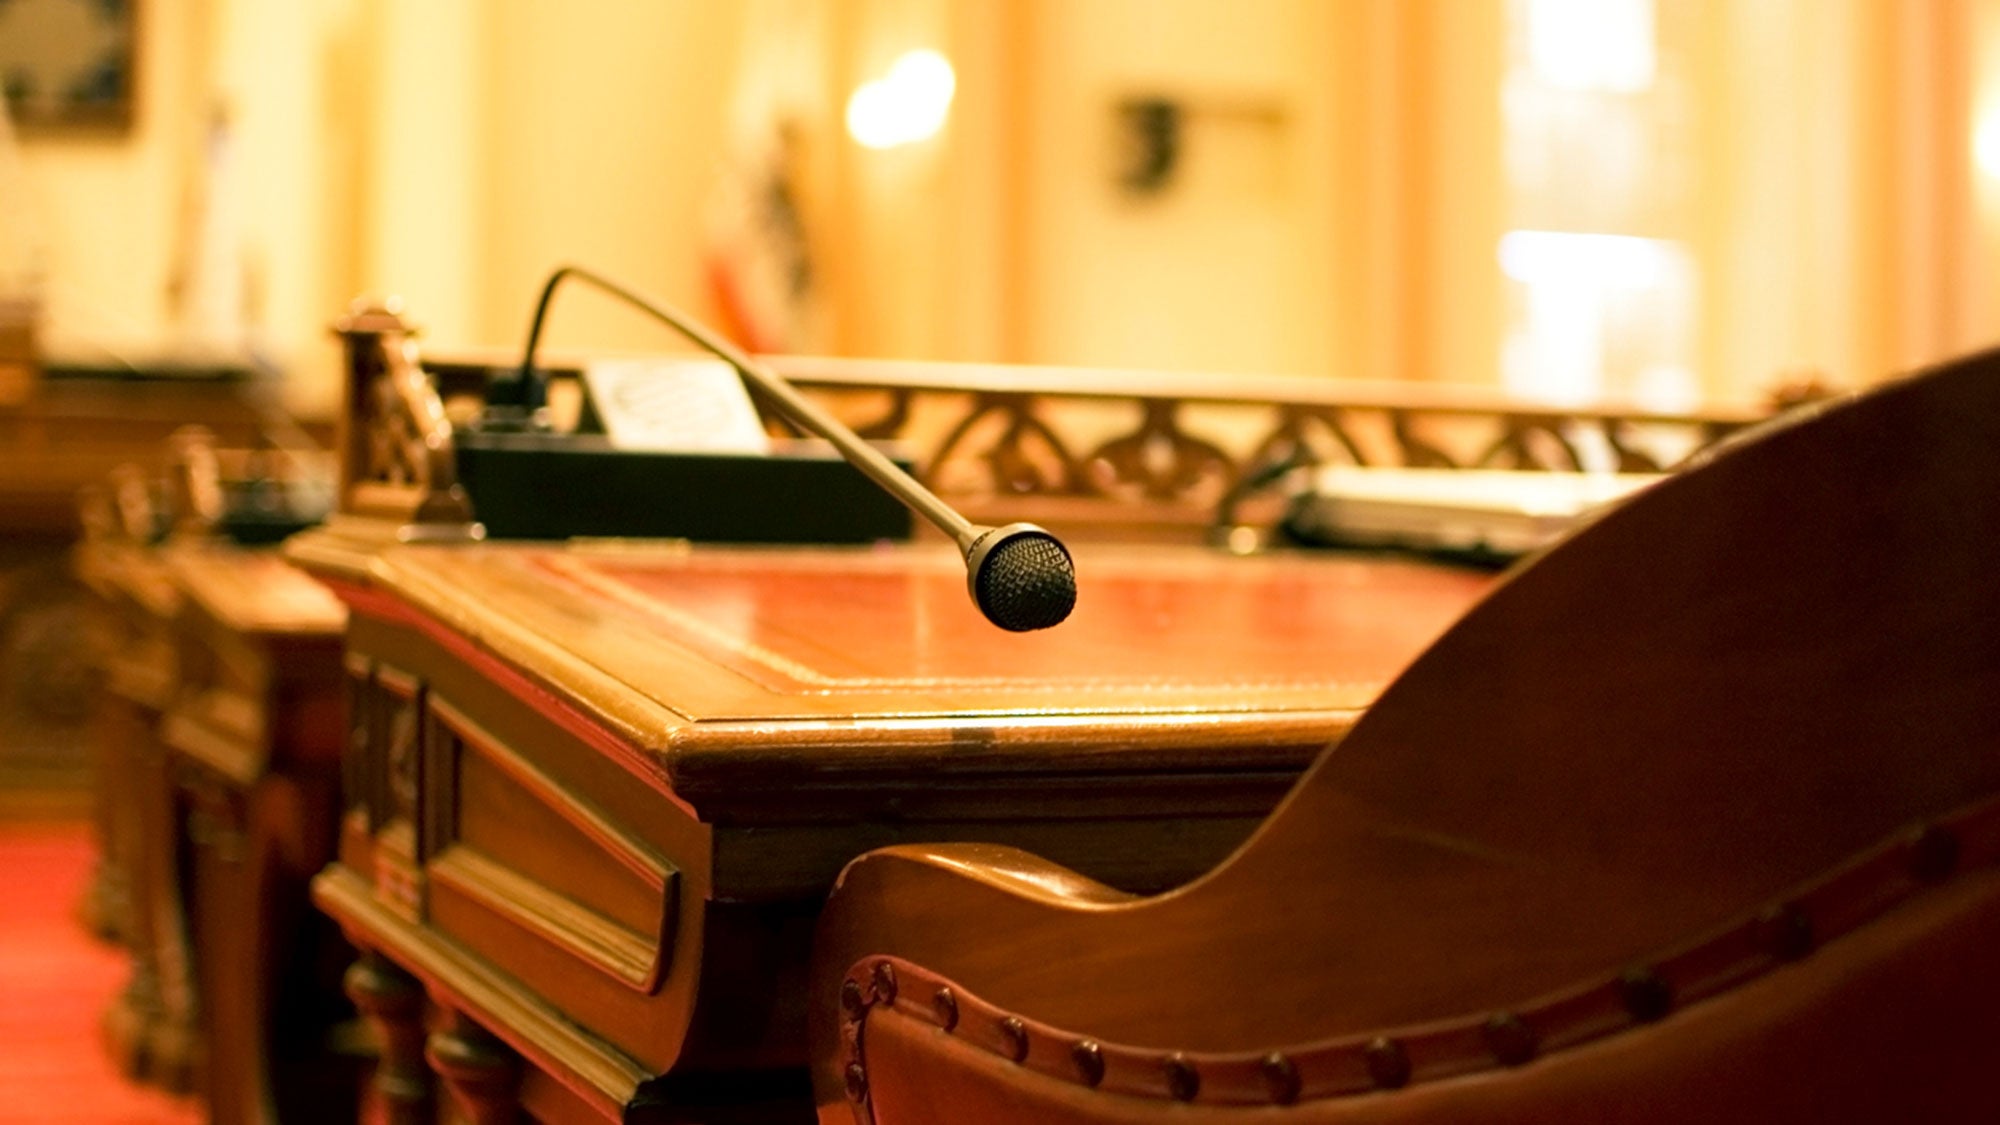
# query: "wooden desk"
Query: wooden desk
253,742
596,794
218,766
71,426
135,895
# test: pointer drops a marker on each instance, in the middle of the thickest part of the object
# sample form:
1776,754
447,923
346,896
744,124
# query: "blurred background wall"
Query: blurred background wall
1680,199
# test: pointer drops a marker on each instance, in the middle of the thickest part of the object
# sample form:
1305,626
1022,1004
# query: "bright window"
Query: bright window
1601,288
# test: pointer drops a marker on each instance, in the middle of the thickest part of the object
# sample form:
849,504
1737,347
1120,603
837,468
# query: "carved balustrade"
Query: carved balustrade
1097,448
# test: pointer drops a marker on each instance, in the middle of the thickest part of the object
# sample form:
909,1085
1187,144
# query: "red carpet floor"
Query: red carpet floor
55,981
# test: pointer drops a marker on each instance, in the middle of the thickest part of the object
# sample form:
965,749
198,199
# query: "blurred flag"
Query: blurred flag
206,288
757,253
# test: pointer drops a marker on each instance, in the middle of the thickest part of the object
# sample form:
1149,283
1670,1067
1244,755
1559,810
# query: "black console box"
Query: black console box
561,486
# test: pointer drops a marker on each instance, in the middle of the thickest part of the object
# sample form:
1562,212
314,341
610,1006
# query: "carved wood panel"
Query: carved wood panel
1187,447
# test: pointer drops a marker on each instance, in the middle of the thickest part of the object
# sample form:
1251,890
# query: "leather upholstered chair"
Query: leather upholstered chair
1695,818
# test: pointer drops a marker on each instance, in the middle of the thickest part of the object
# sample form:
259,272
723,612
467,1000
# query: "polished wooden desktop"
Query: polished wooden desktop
597,791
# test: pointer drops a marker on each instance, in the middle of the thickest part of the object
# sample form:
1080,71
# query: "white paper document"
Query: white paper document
666,405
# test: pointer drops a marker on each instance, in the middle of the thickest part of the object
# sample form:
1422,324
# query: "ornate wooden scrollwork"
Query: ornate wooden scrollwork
1535,442
397,457
996,435
1417,451
1160,460
987,437
1027,457
401,758
194,481
134,507
1631,458
1292,439
892,422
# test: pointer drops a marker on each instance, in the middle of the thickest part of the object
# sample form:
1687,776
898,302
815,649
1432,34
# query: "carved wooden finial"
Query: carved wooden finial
195,481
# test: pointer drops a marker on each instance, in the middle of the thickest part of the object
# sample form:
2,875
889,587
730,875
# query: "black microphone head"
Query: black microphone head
1021,577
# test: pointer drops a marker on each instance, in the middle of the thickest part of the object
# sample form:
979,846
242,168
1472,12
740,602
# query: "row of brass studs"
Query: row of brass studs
1783,932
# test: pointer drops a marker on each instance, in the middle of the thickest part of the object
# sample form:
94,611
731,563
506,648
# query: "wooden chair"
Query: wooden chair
1695,817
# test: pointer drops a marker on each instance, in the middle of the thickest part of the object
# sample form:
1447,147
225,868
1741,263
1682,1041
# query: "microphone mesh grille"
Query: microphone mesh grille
1028,582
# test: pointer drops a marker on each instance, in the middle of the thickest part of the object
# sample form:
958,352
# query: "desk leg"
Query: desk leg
393,1003
225,928
151,1026
483,1074
107,905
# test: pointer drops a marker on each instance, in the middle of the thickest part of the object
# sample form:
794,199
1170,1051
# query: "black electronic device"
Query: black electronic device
260,511
539,485
520,476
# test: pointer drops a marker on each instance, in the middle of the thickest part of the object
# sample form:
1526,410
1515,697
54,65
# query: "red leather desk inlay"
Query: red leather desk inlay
857,621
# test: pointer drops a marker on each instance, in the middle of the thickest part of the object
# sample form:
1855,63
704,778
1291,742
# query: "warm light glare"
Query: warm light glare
1550,257
1592,45
1986,145
1594,309
907,105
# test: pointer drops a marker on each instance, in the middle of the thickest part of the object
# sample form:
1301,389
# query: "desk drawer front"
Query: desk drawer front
382,775
442,813
512,841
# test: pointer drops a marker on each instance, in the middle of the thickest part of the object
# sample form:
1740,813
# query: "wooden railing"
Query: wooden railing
1148,453
1177,444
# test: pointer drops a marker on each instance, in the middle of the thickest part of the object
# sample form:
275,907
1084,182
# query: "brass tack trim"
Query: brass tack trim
1388,1063
1014,1034
1784,931
1933,853
1849,896
944,1006
1183,1081
1511,1042
1089,1059
885,982
1281,1074
1646,997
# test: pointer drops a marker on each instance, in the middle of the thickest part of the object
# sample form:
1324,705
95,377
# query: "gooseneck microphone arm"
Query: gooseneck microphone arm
1021,577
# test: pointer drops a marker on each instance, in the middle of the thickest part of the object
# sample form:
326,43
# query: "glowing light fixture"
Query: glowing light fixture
1592,45
905,106
1548,257
1593,308
1986,145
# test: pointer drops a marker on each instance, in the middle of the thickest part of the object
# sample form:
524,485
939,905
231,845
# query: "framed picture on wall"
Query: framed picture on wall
67,63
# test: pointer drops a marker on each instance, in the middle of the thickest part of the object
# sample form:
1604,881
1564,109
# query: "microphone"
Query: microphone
1020,576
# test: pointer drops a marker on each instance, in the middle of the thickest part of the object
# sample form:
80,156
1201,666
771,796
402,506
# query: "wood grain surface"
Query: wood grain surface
610,782
1682,722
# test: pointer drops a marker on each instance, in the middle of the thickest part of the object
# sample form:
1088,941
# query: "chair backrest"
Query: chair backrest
1753,714
1763,667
